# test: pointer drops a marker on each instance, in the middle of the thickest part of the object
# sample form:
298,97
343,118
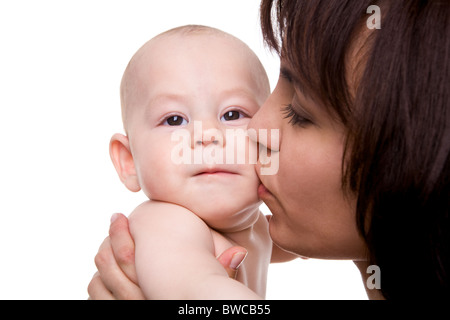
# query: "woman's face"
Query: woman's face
312,216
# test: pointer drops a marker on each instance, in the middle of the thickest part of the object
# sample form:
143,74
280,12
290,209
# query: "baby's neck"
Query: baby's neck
232,222
245,232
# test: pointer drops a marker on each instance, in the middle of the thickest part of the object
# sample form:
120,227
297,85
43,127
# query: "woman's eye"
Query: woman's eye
232,115
175,121
294,117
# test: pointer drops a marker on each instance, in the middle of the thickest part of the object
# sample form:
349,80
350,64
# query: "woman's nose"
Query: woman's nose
263,128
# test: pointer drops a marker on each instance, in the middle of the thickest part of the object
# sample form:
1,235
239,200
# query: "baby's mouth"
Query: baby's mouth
215,172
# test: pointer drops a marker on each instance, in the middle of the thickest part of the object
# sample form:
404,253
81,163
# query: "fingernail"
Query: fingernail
114,217
237,260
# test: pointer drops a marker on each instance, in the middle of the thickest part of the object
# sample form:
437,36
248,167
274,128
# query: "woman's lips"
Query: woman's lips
262,191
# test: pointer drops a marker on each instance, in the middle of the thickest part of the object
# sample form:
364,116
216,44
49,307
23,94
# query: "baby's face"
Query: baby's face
201,85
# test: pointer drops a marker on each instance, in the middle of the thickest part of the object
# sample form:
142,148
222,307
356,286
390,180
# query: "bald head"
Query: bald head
172,49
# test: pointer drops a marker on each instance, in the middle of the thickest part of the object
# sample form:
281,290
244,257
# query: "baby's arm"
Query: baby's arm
175,256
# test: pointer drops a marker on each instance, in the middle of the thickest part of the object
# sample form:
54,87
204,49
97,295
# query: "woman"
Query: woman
364,146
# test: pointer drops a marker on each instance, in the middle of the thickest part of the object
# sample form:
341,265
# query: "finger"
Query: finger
122,245
231,259
113,278
97,290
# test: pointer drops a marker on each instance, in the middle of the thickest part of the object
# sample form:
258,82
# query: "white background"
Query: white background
60,67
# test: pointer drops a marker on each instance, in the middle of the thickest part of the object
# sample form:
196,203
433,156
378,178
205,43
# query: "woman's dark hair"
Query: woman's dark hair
395,105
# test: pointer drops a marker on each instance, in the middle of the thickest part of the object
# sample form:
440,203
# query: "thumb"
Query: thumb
231,259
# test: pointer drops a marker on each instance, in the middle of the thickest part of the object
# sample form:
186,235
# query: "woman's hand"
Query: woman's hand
116,277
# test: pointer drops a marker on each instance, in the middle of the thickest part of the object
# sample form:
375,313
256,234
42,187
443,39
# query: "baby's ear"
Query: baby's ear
119,150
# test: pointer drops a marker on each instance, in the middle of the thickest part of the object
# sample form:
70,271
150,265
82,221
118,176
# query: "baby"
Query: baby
186,76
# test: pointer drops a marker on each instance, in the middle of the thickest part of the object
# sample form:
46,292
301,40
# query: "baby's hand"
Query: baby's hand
116,276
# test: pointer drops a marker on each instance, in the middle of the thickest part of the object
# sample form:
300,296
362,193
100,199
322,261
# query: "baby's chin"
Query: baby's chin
222,214
232,221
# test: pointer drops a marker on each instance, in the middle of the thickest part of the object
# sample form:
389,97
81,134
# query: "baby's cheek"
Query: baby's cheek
150,176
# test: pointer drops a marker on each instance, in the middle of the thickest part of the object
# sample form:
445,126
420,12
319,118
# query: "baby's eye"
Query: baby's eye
232,115
175,121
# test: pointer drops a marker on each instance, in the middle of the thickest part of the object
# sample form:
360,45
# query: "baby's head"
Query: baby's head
205,82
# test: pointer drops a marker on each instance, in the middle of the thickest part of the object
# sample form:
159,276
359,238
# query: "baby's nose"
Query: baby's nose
210,136
205,134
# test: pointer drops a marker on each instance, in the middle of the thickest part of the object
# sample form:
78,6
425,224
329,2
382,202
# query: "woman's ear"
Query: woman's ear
119,150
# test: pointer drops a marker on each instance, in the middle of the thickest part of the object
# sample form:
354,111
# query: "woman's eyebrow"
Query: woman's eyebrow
299,85
286,73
